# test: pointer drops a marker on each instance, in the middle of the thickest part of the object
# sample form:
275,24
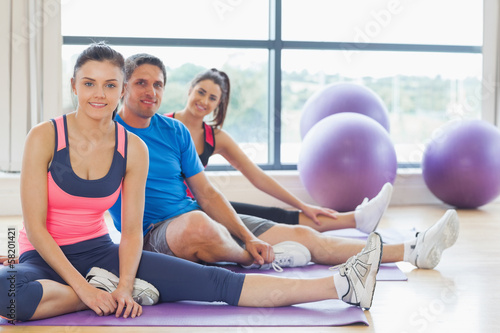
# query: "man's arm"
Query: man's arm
215,205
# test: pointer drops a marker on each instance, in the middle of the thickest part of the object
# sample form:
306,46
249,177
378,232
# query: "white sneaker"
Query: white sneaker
361,272
431,243
286,254
144,293
369,213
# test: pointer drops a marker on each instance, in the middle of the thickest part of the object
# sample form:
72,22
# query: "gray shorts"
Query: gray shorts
156,241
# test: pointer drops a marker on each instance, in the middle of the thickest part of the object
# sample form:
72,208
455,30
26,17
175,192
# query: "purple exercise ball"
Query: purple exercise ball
345,158
343,97
461,166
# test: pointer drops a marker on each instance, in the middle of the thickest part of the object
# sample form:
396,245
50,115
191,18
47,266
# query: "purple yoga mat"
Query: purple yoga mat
325,313
389,236
387,272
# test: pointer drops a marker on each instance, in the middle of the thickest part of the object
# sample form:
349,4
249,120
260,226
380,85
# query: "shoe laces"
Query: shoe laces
276,267
343,268
280,261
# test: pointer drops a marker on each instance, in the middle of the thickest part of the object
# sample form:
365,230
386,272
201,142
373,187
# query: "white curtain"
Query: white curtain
491,62
30,72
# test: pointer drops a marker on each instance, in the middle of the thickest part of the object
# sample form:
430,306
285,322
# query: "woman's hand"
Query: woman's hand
6,261
126,304
99,301
104,303
313,212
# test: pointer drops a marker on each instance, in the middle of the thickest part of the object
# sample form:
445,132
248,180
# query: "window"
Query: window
249,90
421,91
435,22
201,19
418,56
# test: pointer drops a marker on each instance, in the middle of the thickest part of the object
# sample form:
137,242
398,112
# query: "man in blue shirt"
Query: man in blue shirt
208,229
173,159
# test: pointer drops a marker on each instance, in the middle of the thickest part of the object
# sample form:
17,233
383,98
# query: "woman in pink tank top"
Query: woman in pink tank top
84,152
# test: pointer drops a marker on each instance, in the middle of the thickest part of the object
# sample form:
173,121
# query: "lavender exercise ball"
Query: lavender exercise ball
344,158
343,97
461,166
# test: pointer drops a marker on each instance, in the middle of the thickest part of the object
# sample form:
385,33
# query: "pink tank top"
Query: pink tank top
76,206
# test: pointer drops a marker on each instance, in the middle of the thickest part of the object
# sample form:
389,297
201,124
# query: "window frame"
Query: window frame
275,45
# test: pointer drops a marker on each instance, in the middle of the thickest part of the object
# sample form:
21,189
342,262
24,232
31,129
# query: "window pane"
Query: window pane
422,91
217,19
446,22
246,120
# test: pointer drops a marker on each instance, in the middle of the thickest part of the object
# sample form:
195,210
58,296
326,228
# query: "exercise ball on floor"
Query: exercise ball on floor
461,166
343,97
344,158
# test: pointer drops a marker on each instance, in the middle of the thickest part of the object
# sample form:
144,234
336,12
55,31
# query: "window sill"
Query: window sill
409,187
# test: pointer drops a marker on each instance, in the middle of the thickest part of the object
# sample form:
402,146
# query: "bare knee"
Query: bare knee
200,228
280,233
193,233
302,234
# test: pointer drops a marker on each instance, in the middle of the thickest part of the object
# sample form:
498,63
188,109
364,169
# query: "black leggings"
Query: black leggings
275,214
176,279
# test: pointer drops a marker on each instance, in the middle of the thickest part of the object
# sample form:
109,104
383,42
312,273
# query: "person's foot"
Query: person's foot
428,246
144,293
359,274
369,212
286,254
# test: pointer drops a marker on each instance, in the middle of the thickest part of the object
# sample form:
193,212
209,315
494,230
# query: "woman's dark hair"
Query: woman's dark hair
139,59
100,51
222,80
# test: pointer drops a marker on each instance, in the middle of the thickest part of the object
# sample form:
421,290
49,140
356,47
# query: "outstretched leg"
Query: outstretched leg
365,217
424,251
354,283
326,250
178,279
343,221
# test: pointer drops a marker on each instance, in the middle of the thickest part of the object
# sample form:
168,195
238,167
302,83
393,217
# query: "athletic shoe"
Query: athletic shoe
369,213
144,293
361,272
286,254
431,243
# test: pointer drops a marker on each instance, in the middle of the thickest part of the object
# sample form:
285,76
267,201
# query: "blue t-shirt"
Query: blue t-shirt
172,158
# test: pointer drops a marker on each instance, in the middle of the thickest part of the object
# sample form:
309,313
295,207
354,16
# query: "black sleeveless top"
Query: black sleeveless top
209,146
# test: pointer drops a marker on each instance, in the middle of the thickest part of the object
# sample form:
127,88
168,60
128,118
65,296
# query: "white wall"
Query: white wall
409,188
10,201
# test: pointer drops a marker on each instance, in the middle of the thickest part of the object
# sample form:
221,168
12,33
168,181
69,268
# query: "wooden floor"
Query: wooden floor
461,295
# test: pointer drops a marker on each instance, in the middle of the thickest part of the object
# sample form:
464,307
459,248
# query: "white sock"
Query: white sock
409,247
341,284
358,216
